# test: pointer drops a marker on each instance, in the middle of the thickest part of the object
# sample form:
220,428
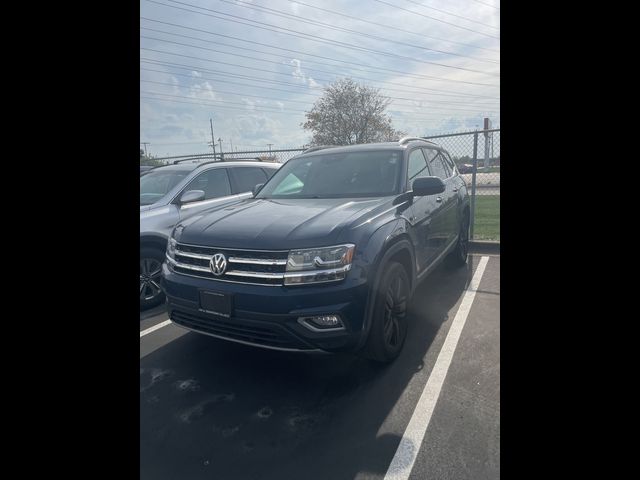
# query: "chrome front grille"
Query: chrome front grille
262,267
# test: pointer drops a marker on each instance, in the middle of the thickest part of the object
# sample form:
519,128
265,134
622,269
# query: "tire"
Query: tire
458,256
389,323
151,295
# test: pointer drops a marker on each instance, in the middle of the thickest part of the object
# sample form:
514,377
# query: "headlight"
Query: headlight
171,247
318,265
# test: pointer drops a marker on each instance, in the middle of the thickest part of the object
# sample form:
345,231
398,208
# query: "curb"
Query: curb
484,246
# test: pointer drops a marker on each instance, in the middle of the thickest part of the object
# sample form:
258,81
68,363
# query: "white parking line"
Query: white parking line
154,328
402,463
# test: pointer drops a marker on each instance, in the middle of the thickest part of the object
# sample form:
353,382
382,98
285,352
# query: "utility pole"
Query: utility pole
220,142
213,143
145,147
487,145
269,145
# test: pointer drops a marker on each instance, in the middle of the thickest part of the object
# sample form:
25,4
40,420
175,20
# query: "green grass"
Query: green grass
487,218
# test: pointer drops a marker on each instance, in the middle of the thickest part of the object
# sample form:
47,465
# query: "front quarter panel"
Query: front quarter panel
159,221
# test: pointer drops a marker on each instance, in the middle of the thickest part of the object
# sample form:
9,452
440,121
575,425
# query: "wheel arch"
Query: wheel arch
156,241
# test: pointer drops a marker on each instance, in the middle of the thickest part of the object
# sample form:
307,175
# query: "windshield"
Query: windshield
155,185
337,175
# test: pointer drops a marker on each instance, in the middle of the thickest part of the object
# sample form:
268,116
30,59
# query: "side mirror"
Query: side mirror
427,186
192,196
257,188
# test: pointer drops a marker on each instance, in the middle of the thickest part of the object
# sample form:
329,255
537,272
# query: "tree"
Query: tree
149,160
349,113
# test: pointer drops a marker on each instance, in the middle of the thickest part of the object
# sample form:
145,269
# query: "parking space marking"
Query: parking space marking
154,328
405,456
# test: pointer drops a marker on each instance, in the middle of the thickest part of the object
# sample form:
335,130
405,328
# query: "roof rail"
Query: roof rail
404,140
244,159
192,159
318,147
225,159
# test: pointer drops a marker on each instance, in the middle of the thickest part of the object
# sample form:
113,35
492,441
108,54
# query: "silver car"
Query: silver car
171,193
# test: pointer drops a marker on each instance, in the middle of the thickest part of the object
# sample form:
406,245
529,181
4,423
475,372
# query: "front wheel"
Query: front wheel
151,294
389,323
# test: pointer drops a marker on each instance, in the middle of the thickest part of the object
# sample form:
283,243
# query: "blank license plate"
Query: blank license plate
216,303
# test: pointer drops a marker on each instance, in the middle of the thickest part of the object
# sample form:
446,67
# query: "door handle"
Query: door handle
438,199
455,189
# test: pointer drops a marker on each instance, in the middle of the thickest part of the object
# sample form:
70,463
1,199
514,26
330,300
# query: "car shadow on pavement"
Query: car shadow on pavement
214,409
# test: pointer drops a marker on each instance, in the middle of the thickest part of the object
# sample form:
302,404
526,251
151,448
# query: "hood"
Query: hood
272,224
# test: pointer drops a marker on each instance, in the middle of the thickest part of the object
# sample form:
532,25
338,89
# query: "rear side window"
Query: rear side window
245,178
214,183
269,172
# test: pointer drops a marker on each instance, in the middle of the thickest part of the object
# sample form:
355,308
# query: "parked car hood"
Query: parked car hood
272,224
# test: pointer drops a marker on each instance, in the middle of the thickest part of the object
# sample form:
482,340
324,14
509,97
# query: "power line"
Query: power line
182,143
259,110
280,13
215,80
289,58
308,36
280,48
422,35
433,18
285,91
452,14
307,102
270,71
487,4
426,90
300,111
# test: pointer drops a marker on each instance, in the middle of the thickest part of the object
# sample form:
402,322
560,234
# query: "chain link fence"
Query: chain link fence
278,156
477,156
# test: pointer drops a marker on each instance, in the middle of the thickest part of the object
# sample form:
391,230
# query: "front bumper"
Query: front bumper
267,316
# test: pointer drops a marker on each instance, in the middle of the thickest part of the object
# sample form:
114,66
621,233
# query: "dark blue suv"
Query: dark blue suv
326,254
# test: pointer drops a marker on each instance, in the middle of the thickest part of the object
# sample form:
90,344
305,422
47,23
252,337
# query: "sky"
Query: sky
255,66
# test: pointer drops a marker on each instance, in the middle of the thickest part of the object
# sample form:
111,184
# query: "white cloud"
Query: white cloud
203,91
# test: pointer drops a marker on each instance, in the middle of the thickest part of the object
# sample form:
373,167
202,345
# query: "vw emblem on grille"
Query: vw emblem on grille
218,264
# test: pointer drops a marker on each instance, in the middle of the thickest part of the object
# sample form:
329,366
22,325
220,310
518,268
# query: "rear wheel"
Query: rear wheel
458,257
389,323
151,260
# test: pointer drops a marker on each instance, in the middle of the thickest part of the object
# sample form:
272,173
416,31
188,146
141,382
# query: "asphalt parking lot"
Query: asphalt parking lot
218,410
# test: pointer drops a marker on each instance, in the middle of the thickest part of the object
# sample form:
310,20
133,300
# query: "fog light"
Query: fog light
322,322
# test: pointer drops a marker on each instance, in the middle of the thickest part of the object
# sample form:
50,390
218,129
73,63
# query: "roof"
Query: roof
368,146
189,167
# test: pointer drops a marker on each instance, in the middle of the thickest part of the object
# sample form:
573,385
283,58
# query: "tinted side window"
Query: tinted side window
245,178
436,166
214,183
269,172
417,166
